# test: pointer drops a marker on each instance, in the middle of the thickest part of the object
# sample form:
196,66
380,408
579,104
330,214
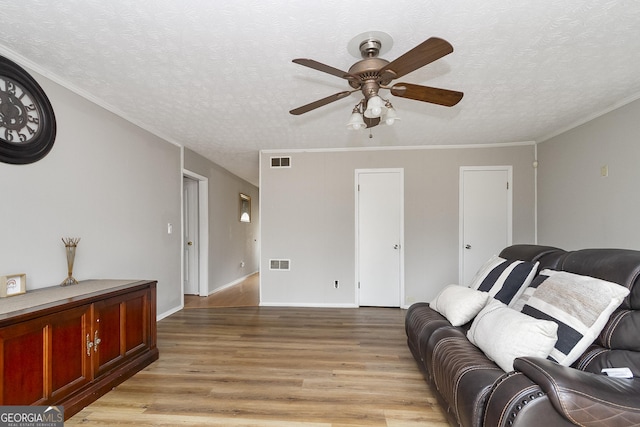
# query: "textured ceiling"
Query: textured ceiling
216,76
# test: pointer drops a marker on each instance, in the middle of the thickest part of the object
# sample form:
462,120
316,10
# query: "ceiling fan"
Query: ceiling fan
373,73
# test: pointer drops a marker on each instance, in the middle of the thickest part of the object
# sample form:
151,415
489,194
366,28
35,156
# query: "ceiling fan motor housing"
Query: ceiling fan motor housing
366,70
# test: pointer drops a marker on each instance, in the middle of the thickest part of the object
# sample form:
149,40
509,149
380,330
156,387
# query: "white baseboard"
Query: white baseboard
302,304
169,312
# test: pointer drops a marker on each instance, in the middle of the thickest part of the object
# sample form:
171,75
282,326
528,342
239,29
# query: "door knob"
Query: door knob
189,243
467,246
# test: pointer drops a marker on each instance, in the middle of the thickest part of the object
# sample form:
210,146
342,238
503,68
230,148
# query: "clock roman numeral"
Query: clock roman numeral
11,87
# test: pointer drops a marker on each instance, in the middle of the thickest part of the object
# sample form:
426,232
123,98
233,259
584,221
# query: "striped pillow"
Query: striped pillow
504,280
580,305
524,296
504,334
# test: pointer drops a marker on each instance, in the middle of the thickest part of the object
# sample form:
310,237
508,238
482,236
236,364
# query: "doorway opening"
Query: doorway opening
195,234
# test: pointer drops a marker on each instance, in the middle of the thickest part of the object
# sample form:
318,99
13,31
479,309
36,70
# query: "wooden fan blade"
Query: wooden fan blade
324,68
434,95
421,55
320,102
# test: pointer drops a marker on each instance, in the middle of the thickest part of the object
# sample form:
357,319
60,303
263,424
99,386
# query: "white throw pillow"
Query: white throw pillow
503,279
580,305
459,304
504,334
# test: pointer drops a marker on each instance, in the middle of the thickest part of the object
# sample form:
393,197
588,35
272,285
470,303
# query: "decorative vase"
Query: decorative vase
70,244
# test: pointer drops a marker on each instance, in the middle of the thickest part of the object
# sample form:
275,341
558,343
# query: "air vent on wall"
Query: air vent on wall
281,162
279,264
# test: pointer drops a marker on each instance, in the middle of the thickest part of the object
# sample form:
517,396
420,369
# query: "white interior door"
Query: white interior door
380,237
485,216
191,236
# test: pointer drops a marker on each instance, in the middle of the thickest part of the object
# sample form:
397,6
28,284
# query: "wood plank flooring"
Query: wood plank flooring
284,367
244,294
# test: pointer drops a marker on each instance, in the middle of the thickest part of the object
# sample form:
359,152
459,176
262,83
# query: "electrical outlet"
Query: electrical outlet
336,284
604,171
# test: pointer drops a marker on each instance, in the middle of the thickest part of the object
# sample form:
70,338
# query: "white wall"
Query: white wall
578,208
231,242
106,181
308,216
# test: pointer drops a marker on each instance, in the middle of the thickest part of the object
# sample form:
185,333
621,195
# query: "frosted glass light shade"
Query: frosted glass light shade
375,107
356,122
390,116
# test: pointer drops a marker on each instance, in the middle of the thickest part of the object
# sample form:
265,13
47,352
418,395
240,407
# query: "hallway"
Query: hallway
244,294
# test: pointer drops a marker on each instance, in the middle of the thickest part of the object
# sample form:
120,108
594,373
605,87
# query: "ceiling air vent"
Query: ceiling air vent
281,162
279,264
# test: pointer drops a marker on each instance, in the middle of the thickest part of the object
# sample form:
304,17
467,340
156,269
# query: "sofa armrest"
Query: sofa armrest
516,401
582,397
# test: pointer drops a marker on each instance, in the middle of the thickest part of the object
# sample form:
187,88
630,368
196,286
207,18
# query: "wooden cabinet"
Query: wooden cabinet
120,330
73,351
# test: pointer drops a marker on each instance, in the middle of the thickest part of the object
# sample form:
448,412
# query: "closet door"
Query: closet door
485,216
380,237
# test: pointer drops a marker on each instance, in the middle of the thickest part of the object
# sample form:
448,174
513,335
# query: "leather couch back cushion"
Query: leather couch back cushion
580,305
547,256
596,358
615,265
618,344
621,332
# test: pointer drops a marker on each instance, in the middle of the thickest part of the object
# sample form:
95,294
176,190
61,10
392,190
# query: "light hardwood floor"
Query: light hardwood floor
244,294
280,367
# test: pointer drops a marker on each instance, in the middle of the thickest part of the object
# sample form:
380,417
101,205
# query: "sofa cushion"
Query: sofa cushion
503,279
504,334
420,323
548,256
459,304
620,266
580,305
462,375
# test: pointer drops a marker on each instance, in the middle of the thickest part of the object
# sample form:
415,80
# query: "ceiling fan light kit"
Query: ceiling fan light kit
373,73
356,122
390,115
374,107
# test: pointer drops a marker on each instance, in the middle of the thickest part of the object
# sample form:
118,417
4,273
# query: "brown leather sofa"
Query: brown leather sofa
474,391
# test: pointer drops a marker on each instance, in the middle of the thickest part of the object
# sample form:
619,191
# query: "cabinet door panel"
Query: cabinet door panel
136,320
23,360
70,354
122,324
107,325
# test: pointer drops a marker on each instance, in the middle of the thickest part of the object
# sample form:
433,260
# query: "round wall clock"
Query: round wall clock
27,122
